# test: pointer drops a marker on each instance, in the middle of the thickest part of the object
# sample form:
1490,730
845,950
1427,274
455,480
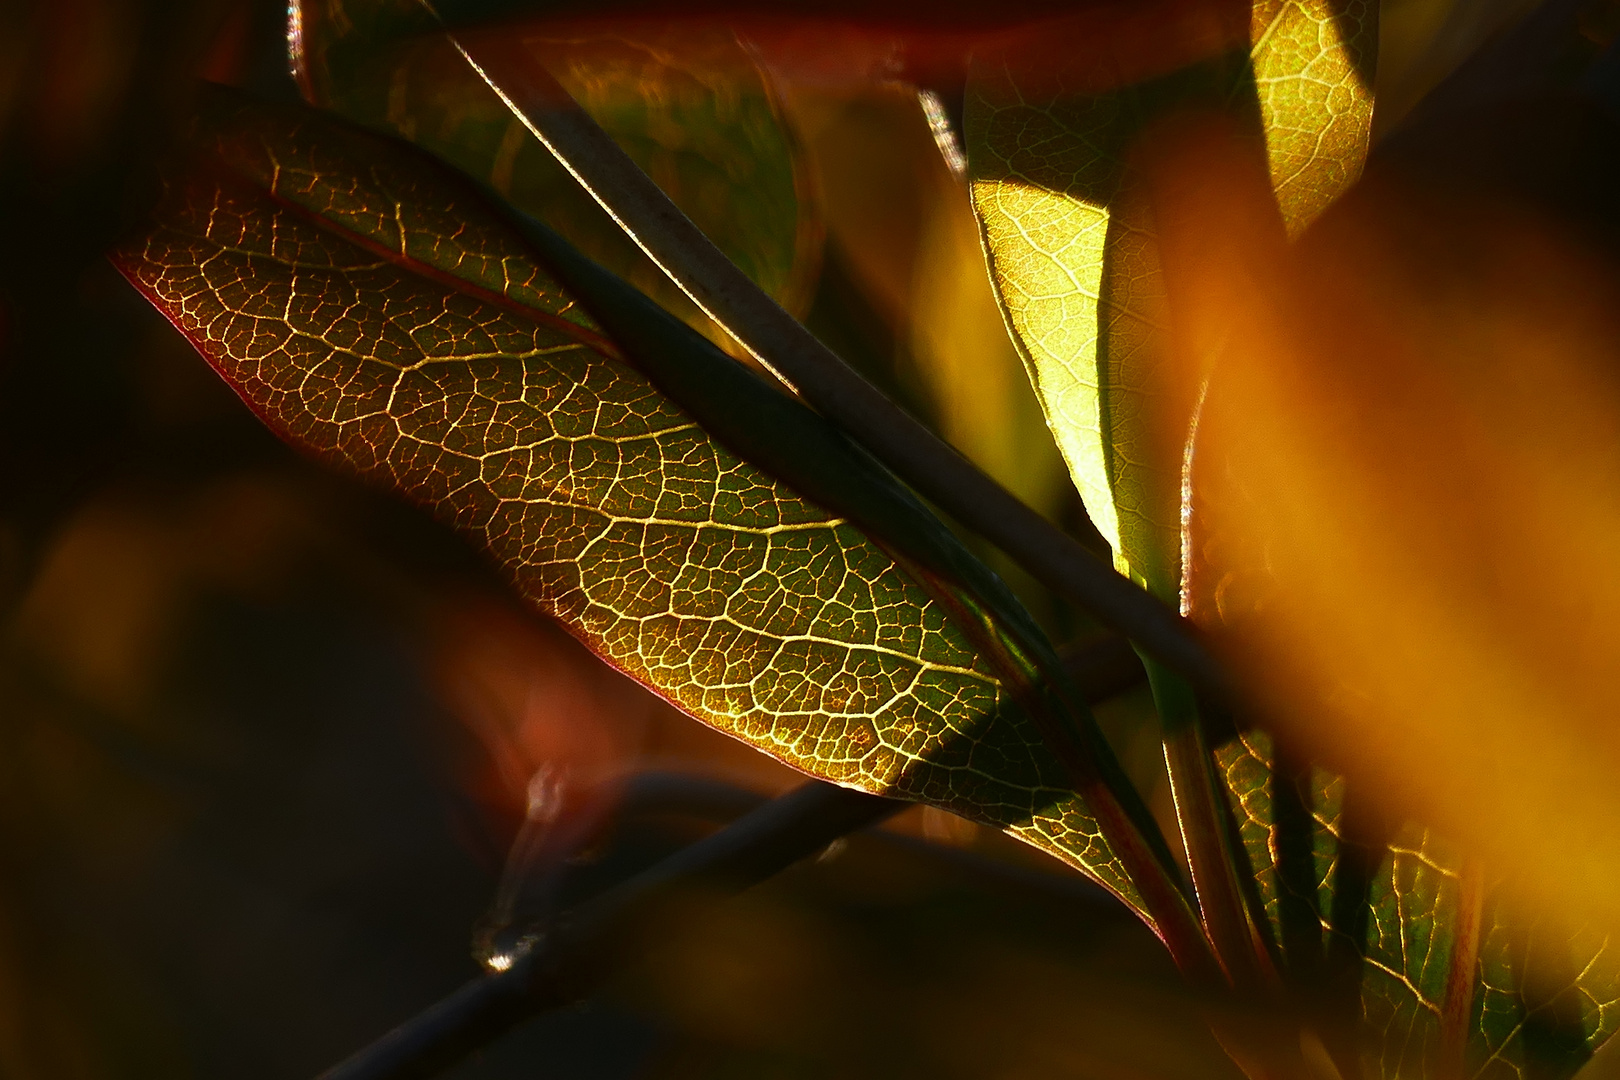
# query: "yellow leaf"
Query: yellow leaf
1071,242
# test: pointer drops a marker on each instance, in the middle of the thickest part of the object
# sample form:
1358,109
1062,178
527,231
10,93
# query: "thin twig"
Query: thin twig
1462,976
1205,830
544,876
783,345
582,949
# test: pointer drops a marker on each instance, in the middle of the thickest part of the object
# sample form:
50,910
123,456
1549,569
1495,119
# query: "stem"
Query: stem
1205,830
1457,1007
1079,748
787,349
542,876
583,950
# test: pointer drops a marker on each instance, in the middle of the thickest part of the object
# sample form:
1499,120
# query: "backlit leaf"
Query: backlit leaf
686,101
1071,241
1397,328
1540,998
1440,975
1053,141
375,310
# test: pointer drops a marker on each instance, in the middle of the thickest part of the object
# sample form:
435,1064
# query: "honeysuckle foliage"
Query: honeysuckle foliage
1071,245
377,311
1448,981
722,544
1443,971
688,102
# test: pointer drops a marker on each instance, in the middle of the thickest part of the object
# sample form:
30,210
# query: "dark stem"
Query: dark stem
1205,830
1462,973
582,949
545,857
1103,668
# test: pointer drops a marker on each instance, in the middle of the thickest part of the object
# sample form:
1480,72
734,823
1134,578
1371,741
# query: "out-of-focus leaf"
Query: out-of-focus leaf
1540,997
1435,971
1071,239
1370,486
686,101
375,310
1070,227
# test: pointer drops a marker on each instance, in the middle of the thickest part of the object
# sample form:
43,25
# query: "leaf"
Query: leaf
1540,998
686,101
1072,249
1075,258
1432,966
374,310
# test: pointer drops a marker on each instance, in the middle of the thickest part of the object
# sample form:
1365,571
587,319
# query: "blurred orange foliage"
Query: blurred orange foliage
1406,494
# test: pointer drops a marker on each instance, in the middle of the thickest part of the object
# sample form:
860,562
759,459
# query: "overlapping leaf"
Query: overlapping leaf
1536,998
1071,242
374,310
1446,976
686,102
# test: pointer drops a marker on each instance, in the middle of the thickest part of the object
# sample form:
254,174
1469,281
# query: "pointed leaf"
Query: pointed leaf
1076,262
1443,972
1071,242
687,102
1538,999
377,311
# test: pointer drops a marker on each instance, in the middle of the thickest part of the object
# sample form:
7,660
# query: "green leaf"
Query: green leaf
1072,249
687,102
374,309
1396,937
1536,999
1075,260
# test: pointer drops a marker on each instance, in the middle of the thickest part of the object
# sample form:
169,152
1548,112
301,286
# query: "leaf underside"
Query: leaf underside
375,311
1544,998
1073,258
687,102
1073,253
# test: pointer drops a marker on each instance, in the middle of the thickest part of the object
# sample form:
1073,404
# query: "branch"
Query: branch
787,349
583,949
1206,831
546,852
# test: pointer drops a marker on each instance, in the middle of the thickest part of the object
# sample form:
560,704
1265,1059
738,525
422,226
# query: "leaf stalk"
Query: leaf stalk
1206,833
